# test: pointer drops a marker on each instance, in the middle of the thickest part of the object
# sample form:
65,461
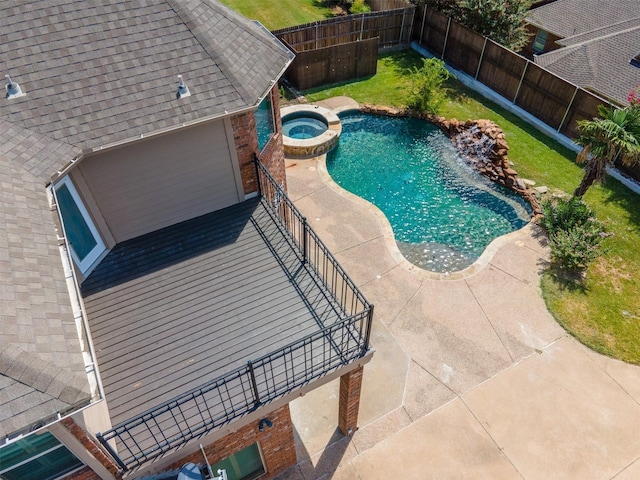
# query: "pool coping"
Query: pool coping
483,260
312,147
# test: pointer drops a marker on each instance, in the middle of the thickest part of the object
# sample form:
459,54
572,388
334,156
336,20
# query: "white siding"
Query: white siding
161,181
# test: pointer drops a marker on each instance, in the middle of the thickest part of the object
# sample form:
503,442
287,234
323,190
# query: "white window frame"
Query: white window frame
85,264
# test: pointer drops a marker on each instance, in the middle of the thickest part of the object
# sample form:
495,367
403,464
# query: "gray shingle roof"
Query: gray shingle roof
600,64
41,366
566,18
95,72
98,72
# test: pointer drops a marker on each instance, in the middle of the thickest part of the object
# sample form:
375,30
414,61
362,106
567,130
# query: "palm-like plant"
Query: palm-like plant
615,136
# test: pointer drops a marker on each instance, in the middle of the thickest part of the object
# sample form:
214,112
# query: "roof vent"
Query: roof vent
13,89
183,90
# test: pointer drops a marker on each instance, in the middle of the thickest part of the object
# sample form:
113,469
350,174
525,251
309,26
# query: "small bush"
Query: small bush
426,91
575,236
359,6
564,214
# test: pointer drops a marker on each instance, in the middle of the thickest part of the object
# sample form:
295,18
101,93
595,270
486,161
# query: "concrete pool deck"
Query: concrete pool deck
471,377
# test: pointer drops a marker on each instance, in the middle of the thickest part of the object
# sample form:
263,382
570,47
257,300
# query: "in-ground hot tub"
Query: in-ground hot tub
309,130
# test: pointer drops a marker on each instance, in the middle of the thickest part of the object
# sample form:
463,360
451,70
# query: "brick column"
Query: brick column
350,386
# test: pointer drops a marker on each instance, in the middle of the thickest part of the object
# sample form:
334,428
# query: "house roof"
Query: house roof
41,367
598,62
95,73
598,40
99,72
565,18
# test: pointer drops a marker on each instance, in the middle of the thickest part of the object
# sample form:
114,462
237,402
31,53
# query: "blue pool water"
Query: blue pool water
443,214
302,125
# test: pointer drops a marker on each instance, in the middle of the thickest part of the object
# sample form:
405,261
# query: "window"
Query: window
86,244
540,41
243,465
264,121
37,457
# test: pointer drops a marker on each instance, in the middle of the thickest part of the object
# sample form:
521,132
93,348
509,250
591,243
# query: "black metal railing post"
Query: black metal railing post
254,384
305,240
367,337
256,162
111,452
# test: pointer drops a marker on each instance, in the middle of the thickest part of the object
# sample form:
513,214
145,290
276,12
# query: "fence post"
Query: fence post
361,26
446,37
515,97
254,385
316,35
566,113
401,29
484,45
424,18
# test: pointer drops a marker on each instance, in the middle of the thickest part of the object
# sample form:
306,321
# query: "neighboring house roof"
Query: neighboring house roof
600,64
94,73
565,18
596,57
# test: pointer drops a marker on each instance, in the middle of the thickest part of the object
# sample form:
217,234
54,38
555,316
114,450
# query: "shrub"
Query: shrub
426,90
575,236
564,214
359,6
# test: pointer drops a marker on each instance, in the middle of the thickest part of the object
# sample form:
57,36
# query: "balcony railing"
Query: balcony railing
212,405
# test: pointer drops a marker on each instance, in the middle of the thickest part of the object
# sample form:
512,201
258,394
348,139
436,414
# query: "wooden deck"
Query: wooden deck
176,308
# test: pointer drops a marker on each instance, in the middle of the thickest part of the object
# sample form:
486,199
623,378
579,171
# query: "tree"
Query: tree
426,90
500,20
615,136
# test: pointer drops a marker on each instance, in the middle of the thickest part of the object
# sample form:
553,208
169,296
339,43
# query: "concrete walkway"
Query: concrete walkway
472,377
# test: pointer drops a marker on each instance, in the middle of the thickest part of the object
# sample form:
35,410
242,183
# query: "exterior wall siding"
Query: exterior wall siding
161,181
276,444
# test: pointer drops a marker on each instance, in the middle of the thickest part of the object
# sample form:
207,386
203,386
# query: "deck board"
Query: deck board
174,309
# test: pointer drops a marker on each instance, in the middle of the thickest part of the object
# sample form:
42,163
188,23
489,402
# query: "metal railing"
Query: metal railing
212,405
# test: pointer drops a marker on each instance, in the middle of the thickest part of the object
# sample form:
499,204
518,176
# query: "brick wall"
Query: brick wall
350,386
91,446
246,142
276,443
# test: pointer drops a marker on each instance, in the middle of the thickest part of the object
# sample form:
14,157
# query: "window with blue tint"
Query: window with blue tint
264,122
36,457
243,465
77,229
82,235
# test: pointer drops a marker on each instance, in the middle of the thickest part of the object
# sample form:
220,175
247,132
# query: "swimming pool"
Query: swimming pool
443,214
303,125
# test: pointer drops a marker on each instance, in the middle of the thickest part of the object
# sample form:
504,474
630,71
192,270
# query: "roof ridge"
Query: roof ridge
192,22
601,37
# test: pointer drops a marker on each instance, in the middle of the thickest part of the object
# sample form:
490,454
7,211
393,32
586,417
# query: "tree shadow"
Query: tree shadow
402,62
617,194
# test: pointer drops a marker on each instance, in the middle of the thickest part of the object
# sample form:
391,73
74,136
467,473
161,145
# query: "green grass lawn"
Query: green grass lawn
603,311
287,13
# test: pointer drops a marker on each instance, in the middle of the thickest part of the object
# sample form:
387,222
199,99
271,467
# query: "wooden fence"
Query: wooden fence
551,99
392,27
337,63
344,48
